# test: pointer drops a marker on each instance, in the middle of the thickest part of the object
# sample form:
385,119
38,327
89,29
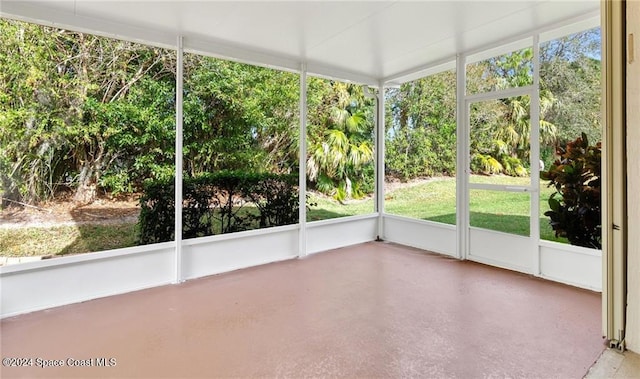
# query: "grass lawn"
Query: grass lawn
327,208
63,240
434,200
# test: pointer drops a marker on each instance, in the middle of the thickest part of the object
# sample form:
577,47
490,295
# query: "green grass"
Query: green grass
327,208
434,201
63,240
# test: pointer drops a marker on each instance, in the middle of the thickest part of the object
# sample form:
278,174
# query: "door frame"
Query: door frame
464,185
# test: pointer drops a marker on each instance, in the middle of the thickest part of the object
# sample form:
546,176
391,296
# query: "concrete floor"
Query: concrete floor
615,365
371,310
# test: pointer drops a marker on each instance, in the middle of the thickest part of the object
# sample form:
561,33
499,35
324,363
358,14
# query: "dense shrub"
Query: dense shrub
576,205
216,203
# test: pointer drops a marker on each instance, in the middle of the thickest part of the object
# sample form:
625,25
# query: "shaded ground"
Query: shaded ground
114,210
63,227
58,213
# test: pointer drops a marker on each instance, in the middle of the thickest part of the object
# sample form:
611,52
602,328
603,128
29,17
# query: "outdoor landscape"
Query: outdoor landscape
87,151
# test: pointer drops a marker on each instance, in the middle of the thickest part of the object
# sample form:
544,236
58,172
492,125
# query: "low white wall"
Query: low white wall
221,253
575,265
426,235
44,284
339,232
501,249
32,286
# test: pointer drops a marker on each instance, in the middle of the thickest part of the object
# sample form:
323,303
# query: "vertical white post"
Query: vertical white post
534,144
302,171
380,153
178,162
462,160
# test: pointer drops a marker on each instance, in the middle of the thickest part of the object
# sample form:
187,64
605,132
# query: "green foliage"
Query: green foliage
570,68
89,113
77,109
421,127
576,205
239,117
216,203
501,129
340,140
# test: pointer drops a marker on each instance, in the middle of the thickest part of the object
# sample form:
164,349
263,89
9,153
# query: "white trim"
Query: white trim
517,42
501,94
229,52
422,71
32,13
534,159
83,258
239,235
585,22
24,11
380,135
209,256
60,281
462,159
334,73
497,232
507,46
340,220
337,233
575,268
502,249
502,187
426,235
302,164
178,162
571,248
420,222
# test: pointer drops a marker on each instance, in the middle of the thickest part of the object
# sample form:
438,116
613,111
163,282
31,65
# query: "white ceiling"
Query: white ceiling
361,41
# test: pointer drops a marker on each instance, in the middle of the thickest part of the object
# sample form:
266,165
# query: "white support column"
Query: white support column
380,154
179,164
534,164
302,171
462,160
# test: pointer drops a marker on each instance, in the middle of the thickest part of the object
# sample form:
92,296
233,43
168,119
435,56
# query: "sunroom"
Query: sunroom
379,48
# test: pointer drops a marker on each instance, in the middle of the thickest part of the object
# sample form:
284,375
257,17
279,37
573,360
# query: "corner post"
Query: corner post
179,164
302,164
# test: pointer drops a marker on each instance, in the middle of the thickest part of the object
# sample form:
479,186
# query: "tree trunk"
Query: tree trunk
9,191
86,190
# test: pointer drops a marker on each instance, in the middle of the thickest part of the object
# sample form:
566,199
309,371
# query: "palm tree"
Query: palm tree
337,159
509,125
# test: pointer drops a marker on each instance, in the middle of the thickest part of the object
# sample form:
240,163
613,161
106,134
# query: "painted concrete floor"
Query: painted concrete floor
371,310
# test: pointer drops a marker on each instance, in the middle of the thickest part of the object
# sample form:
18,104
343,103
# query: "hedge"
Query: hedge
216,203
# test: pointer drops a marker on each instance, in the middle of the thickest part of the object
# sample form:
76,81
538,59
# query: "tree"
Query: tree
501,142
570,69
59,86
421,127
341,141
239,117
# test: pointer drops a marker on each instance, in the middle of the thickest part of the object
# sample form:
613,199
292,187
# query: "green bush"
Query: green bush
216,203
576,205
